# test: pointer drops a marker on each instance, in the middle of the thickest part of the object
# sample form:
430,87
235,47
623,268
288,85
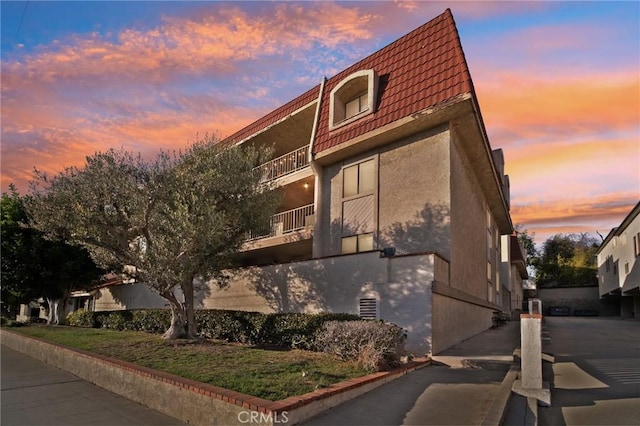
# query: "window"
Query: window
636,245
358,179
626,268
356,106
352,98
357,243
358,198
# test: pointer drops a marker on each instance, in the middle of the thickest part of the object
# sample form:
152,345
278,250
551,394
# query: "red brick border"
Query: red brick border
245,401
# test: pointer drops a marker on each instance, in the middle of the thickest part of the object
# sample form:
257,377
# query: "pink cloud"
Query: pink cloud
213,43
93,92
574,215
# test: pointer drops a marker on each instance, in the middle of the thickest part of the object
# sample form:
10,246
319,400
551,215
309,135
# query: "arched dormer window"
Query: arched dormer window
353,98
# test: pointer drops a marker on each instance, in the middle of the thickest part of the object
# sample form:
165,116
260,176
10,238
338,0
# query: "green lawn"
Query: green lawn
268,374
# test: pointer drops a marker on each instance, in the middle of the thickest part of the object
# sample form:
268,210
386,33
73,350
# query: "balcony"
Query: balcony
287,222
285,164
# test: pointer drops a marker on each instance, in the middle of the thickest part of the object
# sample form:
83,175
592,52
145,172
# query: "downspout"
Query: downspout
317,171
315,120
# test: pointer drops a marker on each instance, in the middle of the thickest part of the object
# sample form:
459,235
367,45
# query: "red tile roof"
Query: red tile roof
274,116
418,71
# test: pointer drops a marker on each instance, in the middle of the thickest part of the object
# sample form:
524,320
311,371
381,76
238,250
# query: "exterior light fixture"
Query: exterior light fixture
388,252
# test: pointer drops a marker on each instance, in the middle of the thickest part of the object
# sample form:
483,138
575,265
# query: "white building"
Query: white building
619,264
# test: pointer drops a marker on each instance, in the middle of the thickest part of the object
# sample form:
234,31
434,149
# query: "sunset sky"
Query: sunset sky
558,85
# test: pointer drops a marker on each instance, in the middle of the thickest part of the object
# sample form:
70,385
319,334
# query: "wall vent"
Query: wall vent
368,308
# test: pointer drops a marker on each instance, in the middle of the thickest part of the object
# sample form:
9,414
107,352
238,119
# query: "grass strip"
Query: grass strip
271,374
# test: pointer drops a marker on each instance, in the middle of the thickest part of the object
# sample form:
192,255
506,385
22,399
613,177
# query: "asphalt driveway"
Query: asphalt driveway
595,379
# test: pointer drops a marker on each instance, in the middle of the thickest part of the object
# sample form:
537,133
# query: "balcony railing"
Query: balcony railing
285,164
287,222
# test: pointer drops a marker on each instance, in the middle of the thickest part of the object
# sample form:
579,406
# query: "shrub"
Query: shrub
291,330
296,330
12,323
81,318
115,320
232,326
150,320
376,345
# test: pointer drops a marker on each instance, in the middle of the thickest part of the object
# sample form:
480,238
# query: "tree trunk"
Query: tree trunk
62,310
177,328
187,290
53,318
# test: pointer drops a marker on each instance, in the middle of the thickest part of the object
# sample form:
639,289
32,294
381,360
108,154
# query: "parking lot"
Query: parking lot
596,375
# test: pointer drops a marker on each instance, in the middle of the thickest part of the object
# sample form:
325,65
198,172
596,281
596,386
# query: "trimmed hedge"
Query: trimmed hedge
294,330
81,318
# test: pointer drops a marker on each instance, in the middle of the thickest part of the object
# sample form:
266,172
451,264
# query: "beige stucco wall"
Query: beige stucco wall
414,194
128,296
469,232
455,321
402,286
412,199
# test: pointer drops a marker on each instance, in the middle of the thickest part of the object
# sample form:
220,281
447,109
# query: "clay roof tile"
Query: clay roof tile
421,69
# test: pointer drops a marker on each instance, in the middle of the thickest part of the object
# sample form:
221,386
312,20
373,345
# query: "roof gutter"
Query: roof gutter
316,119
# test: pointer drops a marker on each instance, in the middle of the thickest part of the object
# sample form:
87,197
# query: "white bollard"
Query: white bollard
530,383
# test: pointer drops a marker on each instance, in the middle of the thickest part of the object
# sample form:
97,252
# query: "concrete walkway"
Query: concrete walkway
34,393
459,389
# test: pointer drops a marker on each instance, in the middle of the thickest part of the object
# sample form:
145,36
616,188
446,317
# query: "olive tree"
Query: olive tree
166,223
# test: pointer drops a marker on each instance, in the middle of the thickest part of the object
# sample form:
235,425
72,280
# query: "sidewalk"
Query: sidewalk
34,393
460,388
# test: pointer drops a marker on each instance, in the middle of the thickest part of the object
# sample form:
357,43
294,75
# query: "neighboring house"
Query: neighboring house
394,204
619,265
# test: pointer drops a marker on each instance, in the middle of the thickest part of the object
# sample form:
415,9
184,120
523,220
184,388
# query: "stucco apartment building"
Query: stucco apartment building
619,265
394,204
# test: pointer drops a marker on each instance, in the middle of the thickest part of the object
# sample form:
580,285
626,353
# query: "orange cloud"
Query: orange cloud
518,106
562,168
576,214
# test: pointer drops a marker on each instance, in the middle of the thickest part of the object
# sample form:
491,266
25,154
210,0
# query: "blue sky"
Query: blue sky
557,83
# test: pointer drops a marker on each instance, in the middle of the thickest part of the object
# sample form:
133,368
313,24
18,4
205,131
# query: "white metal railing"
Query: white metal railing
286,222
285,164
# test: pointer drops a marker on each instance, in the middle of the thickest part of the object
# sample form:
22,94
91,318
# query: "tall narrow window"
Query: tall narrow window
358,223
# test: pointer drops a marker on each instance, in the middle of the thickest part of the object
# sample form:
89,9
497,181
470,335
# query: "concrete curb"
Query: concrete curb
498,409
194,402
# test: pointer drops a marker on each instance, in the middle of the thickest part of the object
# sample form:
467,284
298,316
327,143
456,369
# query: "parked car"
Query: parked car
559,311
